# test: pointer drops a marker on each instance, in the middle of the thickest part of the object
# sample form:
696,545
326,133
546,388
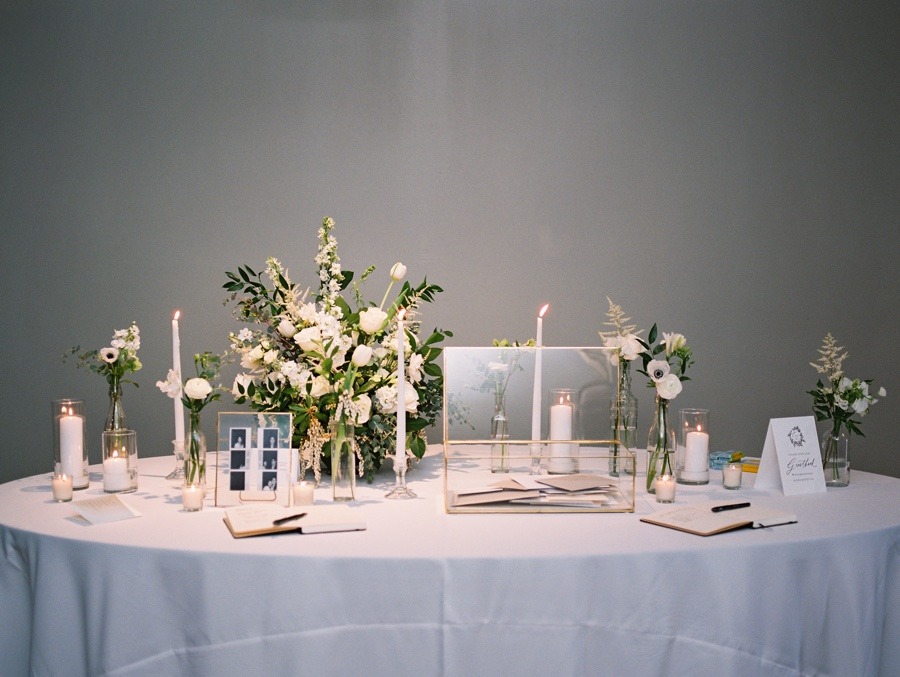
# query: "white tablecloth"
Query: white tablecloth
421,592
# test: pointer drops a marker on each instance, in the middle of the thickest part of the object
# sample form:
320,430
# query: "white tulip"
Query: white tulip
398,272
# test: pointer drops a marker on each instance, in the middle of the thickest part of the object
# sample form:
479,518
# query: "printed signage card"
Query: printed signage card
791,459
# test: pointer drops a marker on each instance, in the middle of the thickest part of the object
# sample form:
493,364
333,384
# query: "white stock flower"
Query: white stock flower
658,369
197,388
398,272
673,342
668,387
372,319
386,398
308,339
361,355
109,355
172,385
286,328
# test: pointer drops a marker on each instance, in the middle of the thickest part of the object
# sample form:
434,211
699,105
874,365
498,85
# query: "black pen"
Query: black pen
282,520
732,506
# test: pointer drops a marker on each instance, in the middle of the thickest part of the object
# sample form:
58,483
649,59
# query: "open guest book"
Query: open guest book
714,517
258,520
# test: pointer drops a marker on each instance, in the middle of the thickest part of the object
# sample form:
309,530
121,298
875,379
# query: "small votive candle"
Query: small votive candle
62,488
665,489
304,493
731,475
192,497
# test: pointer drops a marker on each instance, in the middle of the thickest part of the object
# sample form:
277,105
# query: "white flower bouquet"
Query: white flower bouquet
329,357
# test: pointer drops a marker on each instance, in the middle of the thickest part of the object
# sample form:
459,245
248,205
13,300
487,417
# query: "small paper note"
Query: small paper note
103,509
791,460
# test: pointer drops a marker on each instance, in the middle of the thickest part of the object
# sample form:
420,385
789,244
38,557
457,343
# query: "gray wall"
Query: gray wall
726,169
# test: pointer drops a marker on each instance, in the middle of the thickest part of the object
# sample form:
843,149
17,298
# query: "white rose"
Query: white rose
320,386
308,339
658,370
270,356
668,387
197,388
372,319
398,272
286,328
361,355
673,342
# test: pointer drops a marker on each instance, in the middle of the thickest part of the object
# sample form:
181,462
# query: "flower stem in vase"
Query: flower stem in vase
661,444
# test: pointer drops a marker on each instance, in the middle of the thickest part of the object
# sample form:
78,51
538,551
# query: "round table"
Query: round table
421,592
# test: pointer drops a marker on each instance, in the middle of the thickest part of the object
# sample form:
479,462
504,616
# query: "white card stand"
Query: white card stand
791,459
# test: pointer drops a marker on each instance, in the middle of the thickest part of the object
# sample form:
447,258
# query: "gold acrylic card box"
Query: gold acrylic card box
531,430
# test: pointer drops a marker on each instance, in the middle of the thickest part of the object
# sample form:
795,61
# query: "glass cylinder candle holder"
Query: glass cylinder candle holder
563,456
692,454
70,456
120,471
732,474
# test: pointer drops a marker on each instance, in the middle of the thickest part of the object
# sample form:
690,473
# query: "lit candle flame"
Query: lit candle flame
543,310
177,315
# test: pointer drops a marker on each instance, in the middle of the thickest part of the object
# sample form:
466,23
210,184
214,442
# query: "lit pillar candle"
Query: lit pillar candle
71,443
696,452
561,460
192,497
536,394
400,451
176,367
115,474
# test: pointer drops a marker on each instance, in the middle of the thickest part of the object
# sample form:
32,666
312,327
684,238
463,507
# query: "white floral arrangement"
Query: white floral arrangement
665,362
114,361
329,356
838,398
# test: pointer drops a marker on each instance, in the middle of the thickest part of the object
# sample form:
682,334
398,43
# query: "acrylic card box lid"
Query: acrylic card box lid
530,430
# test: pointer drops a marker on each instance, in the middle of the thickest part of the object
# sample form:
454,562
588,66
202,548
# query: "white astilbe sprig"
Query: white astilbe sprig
617,320
831,358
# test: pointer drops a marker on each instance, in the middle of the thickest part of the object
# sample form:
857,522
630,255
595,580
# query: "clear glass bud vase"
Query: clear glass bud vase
836,457
623,414
343,460
115,417
499,436
195,454
660,445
